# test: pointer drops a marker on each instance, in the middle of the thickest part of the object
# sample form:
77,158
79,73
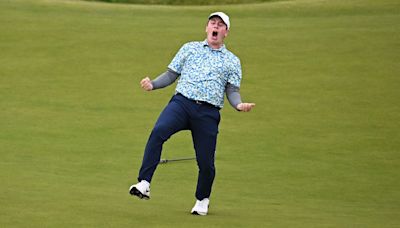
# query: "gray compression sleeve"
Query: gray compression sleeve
165,79
233,95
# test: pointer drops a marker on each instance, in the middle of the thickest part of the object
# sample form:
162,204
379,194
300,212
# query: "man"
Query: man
206,70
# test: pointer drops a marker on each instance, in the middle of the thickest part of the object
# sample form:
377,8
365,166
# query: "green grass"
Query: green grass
185,2
321,149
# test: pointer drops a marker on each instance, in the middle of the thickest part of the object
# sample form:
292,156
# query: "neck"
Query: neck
215,46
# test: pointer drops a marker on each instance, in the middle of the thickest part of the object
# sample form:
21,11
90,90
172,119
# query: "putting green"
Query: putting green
321,148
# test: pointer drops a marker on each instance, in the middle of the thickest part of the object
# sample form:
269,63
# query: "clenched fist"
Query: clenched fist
146,84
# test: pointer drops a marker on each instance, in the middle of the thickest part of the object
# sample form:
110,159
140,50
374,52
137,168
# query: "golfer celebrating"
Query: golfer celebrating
206,70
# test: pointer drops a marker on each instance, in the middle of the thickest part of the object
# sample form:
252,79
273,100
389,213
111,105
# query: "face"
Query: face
216,32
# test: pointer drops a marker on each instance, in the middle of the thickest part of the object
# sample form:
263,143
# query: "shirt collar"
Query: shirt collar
221,49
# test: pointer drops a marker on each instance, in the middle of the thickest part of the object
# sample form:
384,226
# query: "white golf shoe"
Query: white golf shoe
141,190
201,207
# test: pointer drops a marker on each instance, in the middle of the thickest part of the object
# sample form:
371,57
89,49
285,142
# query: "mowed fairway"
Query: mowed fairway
321,148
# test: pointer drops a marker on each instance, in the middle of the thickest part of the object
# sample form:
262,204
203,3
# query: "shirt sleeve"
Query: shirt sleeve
178,61
235,76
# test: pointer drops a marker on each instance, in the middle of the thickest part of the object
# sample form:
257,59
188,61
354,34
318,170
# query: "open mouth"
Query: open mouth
214,34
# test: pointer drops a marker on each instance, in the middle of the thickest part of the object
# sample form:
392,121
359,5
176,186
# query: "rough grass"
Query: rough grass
321,149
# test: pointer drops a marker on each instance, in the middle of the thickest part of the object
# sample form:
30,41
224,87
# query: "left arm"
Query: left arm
234,98
232,87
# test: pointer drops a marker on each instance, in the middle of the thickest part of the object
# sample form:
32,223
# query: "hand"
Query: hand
146,84
245,107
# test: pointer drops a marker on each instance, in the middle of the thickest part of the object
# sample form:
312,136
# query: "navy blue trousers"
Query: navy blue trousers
202,120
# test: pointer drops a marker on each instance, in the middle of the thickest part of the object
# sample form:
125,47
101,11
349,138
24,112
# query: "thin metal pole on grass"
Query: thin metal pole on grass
163,161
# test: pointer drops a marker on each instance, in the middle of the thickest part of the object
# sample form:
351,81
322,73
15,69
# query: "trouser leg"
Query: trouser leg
172,119
204,134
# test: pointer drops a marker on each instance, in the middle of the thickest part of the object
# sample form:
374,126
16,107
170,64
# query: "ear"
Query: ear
227,33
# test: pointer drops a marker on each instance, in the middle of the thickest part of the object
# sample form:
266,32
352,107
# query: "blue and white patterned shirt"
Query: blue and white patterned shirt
205,72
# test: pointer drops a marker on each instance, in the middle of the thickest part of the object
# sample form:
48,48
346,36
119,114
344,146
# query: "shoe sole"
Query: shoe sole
135,192
197,213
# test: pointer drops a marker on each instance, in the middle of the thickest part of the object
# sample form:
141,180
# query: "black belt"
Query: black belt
199,102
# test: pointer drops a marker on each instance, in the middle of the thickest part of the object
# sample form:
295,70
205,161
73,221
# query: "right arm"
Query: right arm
163,80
